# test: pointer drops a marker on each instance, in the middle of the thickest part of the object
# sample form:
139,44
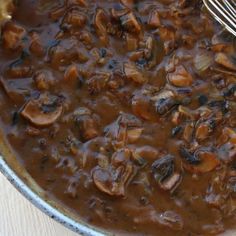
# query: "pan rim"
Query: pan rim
42,205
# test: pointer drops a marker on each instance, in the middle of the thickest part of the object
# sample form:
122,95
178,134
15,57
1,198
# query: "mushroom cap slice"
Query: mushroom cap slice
172,182
209,162
34,112
134,74
103,180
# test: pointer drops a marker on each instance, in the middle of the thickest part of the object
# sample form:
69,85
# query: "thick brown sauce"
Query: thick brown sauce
124,111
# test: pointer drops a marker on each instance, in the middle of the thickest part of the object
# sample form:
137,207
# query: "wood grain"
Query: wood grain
18,217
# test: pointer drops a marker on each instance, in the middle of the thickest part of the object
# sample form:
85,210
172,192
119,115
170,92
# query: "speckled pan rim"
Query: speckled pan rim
43,205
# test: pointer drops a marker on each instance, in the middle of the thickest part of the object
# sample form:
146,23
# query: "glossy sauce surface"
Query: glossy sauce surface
124,111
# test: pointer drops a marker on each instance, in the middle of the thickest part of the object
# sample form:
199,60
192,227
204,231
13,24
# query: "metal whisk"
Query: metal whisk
224,11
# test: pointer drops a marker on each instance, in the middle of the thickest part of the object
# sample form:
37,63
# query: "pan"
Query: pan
23,182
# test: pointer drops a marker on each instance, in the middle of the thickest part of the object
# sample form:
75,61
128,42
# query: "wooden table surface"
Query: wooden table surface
18,217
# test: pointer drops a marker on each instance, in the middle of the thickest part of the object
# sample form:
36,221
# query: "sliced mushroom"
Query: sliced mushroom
75,18
187,113
86,122
43,80
143,107
147,152
130,23
114,179
203,131
97,82
128,3
149,47
131,42
188,132
134,134
103,179
134,74
222,42
57,13
36,46
172,182
120,157
100,23
164,101
12,36
154,19
43,111
168,35
226,61
180,77
189,157
127,128
71,75
164,173
209,162
202,61
163,168
88,127
66,51
227,152
118,12
231,134
138,57
201,161
138,159
86,38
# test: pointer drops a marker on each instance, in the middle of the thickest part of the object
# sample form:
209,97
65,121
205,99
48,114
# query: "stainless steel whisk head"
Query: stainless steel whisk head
224,11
